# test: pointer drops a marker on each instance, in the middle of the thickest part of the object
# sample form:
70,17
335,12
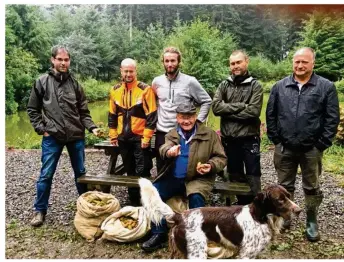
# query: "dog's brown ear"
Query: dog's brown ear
260,197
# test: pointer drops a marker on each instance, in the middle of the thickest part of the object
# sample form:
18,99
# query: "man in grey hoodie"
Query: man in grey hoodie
172,89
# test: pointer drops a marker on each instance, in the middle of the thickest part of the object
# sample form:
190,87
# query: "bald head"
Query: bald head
128,70
128,62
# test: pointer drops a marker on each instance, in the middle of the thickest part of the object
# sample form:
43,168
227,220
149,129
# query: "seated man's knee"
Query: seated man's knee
196,200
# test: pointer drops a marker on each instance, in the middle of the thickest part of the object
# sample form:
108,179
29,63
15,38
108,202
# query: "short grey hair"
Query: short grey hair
305,49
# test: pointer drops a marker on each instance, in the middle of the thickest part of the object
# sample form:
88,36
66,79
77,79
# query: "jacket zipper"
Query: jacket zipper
170,90
126,127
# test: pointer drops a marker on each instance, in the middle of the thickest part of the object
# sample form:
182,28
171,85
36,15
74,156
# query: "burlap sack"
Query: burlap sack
178,204
89,217
115,231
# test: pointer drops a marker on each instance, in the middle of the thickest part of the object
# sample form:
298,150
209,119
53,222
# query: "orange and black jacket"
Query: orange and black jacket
132,112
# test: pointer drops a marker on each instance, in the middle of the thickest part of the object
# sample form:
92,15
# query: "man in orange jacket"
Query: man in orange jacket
132,121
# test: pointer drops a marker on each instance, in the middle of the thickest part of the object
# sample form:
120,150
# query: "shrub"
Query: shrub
95,90
340,86
340,131
267,86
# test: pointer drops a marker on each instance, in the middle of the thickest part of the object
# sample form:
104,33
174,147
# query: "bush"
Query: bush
95,90
267,86
340,86
340,131
205,51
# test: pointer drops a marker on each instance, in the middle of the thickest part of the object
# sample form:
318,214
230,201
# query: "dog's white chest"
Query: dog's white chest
256,235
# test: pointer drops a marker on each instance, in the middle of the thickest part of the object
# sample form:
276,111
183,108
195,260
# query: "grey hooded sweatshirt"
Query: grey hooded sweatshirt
183,88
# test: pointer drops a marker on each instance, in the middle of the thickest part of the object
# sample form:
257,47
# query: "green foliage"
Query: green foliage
204,51
95,90
324,32
265,70
340,132
25,38
333,159
267,86
21,70
340,86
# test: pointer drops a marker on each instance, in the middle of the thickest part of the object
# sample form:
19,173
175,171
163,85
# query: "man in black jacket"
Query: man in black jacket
302,117
58,110
238,101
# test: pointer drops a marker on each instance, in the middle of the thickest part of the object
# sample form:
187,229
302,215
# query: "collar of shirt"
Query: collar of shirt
181,133
298,84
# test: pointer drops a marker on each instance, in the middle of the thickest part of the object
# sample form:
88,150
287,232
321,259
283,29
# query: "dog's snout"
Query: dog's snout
295,208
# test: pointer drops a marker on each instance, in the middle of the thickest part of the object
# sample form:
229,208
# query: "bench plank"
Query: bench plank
225,188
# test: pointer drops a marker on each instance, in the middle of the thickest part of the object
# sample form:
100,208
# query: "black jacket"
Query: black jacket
65,113
303,119
239,106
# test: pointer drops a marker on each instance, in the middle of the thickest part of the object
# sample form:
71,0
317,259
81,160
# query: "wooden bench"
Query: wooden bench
114,175
224,188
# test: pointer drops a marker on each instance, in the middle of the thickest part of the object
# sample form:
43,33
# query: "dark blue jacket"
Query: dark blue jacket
303,119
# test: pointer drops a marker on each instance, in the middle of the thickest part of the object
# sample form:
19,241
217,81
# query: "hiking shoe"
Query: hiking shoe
37,219
155,242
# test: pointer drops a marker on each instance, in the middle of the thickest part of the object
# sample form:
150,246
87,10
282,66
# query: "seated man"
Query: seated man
193,154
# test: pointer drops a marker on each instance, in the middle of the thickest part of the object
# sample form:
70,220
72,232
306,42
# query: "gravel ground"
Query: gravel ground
22,170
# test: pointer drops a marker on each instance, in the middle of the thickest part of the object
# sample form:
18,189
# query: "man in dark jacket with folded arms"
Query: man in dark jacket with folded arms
302,117
238,101
58,111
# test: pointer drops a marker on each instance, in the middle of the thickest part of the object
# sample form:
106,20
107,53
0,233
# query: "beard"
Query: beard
171,71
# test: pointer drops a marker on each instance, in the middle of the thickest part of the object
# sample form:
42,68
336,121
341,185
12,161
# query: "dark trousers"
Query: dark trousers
243,163
159,141
286,162
169,187
137,161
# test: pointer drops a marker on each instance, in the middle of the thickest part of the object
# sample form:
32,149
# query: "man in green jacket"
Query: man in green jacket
238,101
193,156
58,111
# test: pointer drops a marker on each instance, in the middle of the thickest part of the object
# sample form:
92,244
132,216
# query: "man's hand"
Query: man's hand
173,151
144,145
95,131
46,134
203,168
114,142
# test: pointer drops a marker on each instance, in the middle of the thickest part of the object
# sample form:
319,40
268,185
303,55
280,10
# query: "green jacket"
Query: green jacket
205,147
239,107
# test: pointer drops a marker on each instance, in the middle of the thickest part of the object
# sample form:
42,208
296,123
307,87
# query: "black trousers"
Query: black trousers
243,163
159,141
137,161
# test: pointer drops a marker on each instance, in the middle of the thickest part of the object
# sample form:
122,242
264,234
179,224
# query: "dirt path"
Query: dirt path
59,239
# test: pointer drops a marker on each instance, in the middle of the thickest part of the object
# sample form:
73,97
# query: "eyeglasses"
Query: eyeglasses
62,60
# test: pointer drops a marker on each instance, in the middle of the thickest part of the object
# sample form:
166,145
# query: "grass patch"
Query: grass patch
333,160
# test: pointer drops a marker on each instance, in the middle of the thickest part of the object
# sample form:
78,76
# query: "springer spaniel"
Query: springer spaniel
244,230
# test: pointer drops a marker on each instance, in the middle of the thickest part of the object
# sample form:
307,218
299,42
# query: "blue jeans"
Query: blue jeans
51,152
169,187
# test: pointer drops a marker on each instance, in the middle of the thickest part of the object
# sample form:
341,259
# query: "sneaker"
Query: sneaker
155,242
37,219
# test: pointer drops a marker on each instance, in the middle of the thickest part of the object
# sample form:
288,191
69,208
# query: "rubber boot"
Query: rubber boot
312,206
287,223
